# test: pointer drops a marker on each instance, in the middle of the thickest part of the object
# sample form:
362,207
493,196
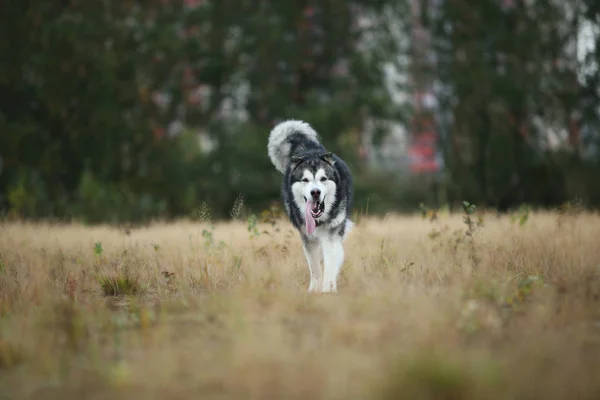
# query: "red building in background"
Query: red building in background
423,153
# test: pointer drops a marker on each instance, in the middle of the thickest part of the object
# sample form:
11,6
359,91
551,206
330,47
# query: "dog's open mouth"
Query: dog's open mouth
316,208
313,211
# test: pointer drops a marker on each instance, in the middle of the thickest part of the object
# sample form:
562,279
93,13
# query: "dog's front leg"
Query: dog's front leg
333,257
312,250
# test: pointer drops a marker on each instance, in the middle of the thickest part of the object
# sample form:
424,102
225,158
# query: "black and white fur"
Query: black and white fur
311,172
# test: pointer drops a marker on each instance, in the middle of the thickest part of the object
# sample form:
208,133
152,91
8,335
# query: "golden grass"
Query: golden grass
421,313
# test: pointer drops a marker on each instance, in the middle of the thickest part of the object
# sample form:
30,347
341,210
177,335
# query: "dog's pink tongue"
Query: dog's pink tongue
311,225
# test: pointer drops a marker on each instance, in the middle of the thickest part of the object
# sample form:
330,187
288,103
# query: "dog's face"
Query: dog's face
313,181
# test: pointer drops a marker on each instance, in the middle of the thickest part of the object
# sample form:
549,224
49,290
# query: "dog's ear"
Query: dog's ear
296,160
328,158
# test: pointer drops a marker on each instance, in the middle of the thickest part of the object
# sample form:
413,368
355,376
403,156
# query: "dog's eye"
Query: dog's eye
323,179
305,180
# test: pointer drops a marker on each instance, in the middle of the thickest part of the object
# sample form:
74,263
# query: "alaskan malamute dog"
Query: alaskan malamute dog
317,195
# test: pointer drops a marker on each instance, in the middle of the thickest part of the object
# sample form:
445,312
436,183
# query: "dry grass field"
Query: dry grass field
186,311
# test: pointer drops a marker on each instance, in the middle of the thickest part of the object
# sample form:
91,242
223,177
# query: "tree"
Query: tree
102,101
509,74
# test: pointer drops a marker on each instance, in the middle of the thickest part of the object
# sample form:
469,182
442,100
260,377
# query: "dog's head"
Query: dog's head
314,182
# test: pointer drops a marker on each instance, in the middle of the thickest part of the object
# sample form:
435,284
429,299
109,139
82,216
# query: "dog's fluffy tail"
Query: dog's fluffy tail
287,137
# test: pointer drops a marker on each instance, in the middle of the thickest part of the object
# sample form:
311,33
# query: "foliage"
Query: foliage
509,75
98,250
521,215
95,95
118,284
126,111
251,223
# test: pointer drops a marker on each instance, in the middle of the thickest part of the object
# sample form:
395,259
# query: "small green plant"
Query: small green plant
119,283
468,207
208,232
209,240
98,250
251,225
472,225
115,283
522,215
469,210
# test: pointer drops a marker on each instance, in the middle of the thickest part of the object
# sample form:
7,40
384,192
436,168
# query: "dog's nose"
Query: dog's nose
315,193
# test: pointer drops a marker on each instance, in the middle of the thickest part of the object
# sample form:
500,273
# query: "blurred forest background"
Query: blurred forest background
126,110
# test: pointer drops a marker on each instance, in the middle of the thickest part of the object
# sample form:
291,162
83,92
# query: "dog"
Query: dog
317,193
